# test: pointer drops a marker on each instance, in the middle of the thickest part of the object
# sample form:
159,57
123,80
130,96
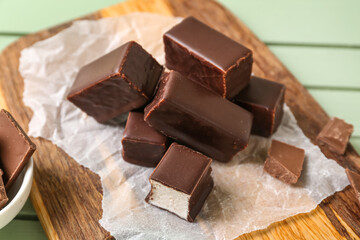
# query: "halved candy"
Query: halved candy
181,182
284,162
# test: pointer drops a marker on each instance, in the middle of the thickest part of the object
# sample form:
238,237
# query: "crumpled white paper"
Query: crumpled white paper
244,198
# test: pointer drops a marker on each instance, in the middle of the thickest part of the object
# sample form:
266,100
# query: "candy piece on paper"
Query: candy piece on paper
199,118
284,162
181,182
116,83
207,56
265,100
142,144
244,198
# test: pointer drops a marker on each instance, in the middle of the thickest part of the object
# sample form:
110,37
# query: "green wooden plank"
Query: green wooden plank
22,229
342,104
27,212
306,21
6,40
319,22
355,141
323,67
30,16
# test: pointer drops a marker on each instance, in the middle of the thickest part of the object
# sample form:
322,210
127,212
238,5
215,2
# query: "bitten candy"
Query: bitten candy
354,179
3,197
181,182
335,135
265,100
207,56
116,83
16,148
196,117
284,162
142,144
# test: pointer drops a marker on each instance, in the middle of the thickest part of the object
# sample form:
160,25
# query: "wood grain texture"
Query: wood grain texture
67,196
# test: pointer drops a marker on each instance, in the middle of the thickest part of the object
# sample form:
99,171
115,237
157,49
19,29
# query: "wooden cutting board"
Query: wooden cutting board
67,197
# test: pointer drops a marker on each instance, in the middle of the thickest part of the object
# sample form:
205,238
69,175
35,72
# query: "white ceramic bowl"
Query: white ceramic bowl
18,194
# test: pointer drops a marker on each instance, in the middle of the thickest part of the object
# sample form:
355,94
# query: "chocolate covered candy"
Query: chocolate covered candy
265,100
205,55
3,196
284,162
142,144
354,179
16,148
116,83
335,135
194,116
181,182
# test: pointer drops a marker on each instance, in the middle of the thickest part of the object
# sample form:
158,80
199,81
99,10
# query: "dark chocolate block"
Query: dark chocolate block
142,144
181,182
284,162
191,114
16,148
354,179
335,135
205,55
3,197
265,100
116,83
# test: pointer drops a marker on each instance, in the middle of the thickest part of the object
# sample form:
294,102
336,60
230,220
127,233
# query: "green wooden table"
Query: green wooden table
319,41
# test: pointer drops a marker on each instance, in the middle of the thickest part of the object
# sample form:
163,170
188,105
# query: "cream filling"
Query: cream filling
170,199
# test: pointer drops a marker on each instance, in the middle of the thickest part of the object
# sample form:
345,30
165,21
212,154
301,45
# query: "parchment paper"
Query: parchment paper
244,197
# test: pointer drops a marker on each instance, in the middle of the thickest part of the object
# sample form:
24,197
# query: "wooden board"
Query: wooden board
67,197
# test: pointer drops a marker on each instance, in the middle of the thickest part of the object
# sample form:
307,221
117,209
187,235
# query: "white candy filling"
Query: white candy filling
170,199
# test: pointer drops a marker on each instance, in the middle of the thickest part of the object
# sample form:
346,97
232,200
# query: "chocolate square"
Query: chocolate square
181,182
142,144
207,56
116,83
284,162
265,100
16,148
3,197
194,116
335,135
354,179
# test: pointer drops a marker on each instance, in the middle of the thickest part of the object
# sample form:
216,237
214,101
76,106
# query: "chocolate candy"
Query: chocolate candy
181,182
354,179
142,144
335,135
3,197
191,114
118,82
265,100
207,56
284,162
16,148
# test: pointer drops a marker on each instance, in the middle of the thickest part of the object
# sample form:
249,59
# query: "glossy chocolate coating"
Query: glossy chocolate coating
284,162
335,135
354,179
142,144
188,171
16,148
3,196
205,55
192,115
116,83
265,100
